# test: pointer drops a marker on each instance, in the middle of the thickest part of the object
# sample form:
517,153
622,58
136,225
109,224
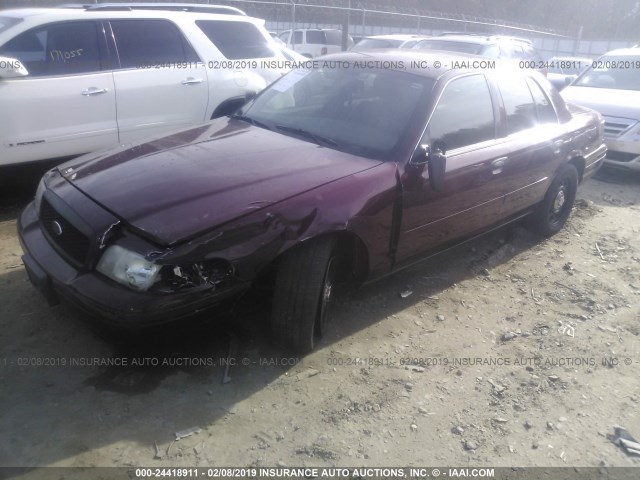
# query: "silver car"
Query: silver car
612,87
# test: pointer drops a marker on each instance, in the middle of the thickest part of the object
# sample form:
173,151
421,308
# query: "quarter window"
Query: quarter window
66,48
464,114
236,40
518,104
150,42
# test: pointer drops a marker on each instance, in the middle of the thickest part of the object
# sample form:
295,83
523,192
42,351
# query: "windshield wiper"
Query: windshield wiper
306,133
250,120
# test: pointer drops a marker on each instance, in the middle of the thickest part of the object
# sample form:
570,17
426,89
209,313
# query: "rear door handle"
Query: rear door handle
498,165
94,91
192,81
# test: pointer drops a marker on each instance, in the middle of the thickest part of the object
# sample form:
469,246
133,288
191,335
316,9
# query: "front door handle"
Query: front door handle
192,81
94,91
498,165
557,146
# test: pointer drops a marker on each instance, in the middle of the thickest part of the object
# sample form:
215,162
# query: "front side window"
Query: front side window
518,104
365,112
236,40
284,36
150,42
68,48
464,115
333,37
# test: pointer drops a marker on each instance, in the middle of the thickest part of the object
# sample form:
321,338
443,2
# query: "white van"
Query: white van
313,42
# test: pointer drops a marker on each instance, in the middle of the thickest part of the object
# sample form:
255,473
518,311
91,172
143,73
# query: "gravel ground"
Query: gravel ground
509,351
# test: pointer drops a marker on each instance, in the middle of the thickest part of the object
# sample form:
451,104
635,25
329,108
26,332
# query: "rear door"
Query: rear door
534,138
464,124
66,106
161,84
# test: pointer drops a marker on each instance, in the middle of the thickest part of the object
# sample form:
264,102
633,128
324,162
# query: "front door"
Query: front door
463,125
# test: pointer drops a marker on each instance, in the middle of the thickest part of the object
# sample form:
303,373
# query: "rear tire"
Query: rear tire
303,293
551,215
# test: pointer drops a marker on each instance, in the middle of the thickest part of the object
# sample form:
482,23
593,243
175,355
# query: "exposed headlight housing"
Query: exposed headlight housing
128,268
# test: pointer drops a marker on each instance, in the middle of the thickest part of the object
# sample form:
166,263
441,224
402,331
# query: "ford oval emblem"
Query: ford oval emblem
57,228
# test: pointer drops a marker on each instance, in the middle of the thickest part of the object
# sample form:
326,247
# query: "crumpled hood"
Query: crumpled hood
609,102
178,186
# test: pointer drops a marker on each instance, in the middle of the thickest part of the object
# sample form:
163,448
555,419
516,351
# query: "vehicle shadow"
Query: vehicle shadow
91,387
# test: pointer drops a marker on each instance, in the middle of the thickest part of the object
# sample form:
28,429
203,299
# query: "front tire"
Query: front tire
551,215
303,294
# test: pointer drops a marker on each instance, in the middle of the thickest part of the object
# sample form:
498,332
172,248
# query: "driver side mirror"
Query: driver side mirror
436,161
436,165
12,68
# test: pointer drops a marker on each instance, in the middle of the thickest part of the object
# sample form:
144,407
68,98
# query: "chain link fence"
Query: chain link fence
352,16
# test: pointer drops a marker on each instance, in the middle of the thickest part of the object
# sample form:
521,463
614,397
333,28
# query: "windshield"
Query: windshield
6,22
450,46
618,73
365,112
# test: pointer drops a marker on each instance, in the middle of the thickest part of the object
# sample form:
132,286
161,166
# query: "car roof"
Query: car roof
81,13
401,60
623,52
562,58
479,38
396,36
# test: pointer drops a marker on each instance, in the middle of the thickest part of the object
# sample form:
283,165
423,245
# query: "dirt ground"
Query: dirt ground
508,351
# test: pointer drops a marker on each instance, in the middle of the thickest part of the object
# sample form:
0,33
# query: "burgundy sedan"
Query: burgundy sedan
350,170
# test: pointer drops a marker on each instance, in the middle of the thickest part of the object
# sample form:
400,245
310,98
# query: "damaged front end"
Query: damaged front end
86,256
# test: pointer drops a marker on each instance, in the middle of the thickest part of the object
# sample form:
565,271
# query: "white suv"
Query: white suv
313,42
74,80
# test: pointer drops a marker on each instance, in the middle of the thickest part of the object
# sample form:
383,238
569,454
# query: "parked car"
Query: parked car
612,87
313,42
490,46
171,65
387,41
328,175
564,70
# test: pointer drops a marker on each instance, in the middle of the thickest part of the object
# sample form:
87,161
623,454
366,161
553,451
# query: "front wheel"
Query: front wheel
303,294
551,215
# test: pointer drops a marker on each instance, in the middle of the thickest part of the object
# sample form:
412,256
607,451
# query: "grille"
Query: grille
63,234
613,126
621,156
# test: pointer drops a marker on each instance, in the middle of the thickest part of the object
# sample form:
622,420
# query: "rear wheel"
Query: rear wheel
303,294
551,215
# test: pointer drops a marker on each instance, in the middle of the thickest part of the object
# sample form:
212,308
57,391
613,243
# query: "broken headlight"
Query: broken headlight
207,273
128,268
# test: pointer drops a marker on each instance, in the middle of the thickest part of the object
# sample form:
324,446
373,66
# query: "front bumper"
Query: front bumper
623,155
99,296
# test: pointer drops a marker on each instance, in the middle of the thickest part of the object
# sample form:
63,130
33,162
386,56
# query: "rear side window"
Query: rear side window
518,104
68,48
333,37
150,42
544,108
236,40
464,114
315,36
297,37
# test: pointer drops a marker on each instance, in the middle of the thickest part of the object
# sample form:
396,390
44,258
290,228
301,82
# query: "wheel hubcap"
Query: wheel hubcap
559,201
